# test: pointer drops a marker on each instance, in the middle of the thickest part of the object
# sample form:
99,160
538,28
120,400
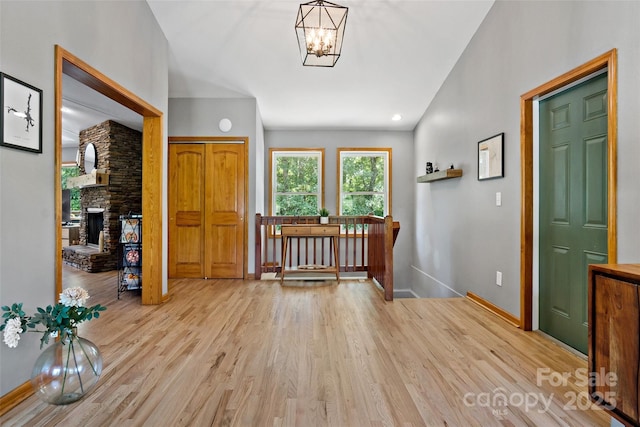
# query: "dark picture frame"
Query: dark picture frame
20,115
491,157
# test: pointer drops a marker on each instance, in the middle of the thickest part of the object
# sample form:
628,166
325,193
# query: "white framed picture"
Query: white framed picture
21,118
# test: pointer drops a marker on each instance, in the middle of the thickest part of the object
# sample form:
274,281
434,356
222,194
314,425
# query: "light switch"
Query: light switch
498,198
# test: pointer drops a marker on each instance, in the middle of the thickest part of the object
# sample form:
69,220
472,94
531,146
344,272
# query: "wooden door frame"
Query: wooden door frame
221,139
152,163
607,60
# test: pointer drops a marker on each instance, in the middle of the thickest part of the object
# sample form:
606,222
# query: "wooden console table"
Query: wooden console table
314,231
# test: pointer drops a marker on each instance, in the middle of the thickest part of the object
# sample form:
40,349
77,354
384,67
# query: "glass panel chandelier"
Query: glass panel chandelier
320,30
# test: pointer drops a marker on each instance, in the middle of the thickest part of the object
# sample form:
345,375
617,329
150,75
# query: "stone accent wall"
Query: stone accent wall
119,153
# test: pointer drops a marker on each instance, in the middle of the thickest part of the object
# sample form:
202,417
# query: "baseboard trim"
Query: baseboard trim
494,309
430,277
14,397
410,291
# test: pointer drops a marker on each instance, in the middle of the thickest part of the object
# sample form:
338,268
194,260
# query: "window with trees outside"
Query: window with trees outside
297,181
69,171
365,181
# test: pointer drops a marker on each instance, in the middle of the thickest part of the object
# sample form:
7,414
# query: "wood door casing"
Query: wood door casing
608,61
207,210
186,210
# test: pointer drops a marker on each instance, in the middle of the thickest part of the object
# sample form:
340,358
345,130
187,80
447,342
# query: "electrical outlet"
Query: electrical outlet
498,198
499,278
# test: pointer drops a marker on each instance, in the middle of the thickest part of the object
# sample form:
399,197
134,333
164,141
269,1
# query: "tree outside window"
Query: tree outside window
69,172
365,181
297,181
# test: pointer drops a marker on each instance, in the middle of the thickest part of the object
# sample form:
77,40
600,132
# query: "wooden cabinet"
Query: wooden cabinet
614,339
70,235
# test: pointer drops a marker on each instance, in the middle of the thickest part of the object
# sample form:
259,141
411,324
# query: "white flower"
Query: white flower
74,297
12,331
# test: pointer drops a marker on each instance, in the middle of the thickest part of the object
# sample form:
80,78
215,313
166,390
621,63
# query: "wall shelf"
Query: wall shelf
95,179
440,175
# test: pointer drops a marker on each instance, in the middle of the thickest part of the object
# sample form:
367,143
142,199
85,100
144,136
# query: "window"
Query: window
69,171
365,181
297,181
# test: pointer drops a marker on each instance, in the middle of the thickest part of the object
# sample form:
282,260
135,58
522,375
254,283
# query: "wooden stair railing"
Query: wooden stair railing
381,239
365,245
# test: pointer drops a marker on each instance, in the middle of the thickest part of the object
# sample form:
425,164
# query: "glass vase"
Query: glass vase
66,370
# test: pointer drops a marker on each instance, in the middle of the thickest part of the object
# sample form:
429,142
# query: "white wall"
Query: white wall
402,177
462,238
135,56
200,117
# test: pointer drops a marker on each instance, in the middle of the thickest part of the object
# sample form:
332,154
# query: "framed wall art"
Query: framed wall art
21,115
490,157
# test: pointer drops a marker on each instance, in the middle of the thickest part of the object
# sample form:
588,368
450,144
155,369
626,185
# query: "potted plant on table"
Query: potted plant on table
324,216
69,368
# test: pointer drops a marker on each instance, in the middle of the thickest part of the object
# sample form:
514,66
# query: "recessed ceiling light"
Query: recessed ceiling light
396,117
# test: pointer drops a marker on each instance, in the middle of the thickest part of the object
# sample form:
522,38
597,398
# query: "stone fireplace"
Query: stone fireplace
119,154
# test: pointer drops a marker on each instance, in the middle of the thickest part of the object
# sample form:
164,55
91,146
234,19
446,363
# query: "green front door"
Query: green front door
573,205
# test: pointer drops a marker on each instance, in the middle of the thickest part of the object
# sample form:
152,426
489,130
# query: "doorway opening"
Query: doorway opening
606,61
152,166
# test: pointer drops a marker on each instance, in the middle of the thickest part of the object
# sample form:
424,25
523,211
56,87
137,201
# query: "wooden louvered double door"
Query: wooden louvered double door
206,210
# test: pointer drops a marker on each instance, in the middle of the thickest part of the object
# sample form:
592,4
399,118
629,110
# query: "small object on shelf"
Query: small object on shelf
435,168
451,166
132,280
133,256
440,175
130,230
429,168
324,216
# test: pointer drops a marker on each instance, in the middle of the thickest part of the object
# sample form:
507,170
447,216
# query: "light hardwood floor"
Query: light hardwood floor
254,353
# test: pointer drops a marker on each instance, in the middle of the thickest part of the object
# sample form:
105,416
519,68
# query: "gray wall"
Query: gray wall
259,151
200,117
135,56
462,238
402,195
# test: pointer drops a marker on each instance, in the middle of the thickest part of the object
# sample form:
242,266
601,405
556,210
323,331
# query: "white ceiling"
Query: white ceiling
395,56
83,107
